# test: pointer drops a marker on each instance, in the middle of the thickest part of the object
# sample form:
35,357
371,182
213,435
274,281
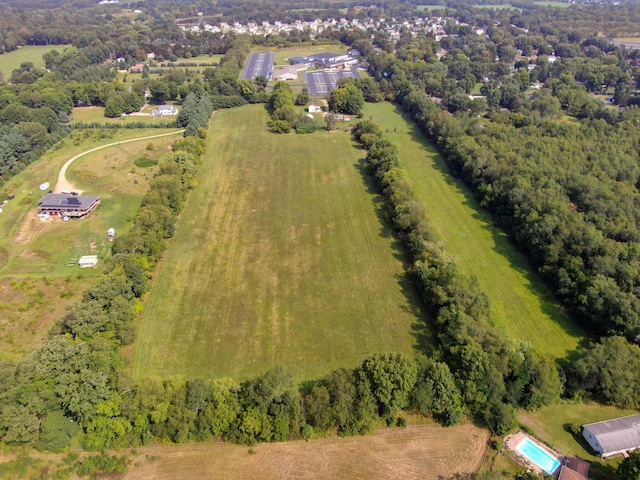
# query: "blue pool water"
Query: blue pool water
538,456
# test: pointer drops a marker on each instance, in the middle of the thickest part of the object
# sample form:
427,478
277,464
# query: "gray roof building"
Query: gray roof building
67,205
615,436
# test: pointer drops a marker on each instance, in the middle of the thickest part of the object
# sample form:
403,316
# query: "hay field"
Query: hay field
521,304
429,452
280,258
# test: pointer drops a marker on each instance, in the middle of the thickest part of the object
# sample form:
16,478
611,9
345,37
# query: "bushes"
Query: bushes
144,161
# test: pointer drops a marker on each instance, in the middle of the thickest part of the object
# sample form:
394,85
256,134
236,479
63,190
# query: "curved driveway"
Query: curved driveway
63,184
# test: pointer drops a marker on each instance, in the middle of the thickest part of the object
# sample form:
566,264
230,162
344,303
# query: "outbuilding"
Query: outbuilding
615,436
87,261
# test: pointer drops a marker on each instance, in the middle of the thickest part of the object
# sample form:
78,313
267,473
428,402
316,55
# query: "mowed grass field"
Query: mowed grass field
520,303
279,259
96,114
421,451
12,60
30,247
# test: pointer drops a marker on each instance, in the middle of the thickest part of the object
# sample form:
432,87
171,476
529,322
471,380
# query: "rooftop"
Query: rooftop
66,201
617,433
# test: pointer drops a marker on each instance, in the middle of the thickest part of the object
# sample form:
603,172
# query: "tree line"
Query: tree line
564,193
493,374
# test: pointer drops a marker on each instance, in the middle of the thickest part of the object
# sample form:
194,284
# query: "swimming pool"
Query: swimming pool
538,456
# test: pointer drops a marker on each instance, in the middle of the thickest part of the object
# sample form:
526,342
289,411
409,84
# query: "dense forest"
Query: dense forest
553,162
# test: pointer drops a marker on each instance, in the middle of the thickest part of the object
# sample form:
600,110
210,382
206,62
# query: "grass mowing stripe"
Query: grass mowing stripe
520,303
280,258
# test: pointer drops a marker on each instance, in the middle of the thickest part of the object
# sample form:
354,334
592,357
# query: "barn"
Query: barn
615,436
68,205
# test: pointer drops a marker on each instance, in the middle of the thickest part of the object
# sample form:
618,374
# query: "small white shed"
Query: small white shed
88,261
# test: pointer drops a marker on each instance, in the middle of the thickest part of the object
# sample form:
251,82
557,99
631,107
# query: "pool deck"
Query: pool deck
512,441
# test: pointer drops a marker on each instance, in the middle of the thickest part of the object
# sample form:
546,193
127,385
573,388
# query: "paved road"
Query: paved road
260,63
64,184
322,82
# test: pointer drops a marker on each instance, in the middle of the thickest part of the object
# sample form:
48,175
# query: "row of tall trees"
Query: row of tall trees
493,374
564,192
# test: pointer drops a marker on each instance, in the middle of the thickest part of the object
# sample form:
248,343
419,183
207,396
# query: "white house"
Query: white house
164,110
314,108
615,436
88,261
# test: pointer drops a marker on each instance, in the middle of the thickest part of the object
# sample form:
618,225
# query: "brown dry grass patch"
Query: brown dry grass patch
29,307
420,451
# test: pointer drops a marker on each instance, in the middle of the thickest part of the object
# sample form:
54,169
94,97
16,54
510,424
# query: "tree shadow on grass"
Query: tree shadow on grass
386,231
422,328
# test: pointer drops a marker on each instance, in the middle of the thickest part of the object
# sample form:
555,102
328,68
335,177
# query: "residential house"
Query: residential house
137,68
164,110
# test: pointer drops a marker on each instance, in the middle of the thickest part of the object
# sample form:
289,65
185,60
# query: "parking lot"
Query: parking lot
260,63
321,82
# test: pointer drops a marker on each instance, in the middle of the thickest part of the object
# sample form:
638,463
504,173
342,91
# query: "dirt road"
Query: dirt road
64,185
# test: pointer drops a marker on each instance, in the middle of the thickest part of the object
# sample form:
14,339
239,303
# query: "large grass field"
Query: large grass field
520,303
428,452
30,247
12,60
279,258
423,450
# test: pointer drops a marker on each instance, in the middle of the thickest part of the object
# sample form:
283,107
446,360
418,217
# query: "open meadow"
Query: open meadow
30,247
12,60
280,258
422,450
35,282
428,452
520,303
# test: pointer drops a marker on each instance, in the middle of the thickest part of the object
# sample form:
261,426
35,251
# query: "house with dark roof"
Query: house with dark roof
574,469
615,436
68,205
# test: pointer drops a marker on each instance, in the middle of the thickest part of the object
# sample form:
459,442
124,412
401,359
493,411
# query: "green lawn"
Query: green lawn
96,114
551,425
281,54
553,4
422,8
279,258
30,247
501,6
520,303
12,60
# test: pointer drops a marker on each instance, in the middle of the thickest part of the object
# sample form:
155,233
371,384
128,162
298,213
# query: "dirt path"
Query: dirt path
64,185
